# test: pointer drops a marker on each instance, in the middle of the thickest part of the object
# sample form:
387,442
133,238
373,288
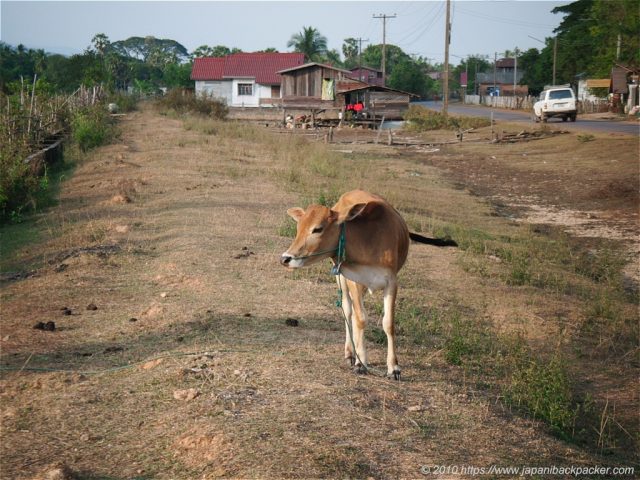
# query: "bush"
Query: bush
421,119
17,182
91,128
181,101
124,101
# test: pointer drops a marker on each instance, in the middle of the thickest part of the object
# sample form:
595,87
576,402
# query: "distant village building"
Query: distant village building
243,79
317,87
501,82
370,75
284,80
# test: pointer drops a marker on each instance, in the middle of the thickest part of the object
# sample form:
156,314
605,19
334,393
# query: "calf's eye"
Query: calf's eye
317,230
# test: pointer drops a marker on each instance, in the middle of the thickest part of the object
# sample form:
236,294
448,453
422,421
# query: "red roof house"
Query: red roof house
243,79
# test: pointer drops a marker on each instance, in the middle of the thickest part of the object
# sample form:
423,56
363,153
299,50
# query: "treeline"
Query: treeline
144,63
593,36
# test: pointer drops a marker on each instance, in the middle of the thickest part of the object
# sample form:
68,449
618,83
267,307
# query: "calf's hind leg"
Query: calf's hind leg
347,309
390,293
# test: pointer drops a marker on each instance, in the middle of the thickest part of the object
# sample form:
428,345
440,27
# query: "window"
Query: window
560,94
245,89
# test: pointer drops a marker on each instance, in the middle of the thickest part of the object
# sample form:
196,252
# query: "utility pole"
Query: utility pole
447,39
555,55
495,67
384,44
360,40
515,70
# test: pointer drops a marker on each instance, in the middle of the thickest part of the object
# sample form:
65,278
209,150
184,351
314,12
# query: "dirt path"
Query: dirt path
187,229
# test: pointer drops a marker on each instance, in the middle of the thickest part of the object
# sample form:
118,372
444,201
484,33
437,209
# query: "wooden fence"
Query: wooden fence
30,119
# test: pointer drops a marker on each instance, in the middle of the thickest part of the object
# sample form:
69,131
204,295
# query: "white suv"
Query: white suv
557,101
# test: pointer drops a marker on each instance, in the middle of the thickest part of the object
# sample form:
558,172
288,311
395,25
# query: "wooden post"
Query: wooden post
389,138
379,130
330,134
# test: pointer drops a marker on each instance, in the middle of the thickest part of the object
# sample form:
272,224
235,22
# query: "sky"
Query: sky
479,27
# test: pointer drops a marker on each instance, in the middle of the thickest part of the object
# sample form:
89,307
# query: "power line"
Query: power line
421,27
360,40
508,21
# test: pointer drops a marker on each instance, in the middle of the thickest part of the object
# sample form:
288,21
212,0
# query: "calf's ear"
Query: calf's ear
355,211
295,213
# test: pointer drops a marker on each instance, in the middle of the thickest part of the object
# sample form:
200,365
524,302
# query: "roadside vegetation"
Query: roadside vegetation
421,119
32,119
178,101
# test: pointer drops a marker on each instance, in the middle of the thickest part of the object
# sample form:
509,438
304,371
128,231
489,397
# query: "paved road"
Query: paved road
582,123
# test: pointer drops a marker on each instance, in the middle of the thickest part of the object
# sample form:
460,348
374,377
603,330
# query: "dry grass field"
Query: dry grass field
175,354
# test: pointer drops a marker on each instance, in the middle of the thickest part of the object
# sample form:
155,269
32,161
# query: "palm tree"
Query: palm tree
310,42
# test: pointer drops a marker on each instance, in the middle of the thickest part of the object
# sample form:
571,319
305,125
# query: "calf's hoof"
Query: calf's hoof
360,370
351,360
395,375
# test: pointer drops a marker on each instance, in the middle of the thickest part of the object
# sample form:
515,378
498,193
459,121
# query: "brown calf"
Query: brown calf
377,242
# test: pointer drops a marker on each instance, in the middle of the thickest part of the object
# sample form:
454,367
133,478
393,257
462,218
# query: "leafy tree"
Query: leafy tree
101,43
142,48
471,65
268,50
613,21
409,77
588,37
310,42
350,50
177,75
332,57
538,68
217,51
372,57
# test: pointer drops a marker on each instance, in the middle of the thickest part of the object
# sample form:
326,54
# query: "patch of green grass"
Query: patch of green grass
376,335
419,324
520,269
467,341
543,389
287,228
586,138
601,266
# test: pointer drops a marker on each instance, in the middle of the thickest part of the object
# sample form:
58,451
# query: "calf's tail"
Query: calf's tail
438,242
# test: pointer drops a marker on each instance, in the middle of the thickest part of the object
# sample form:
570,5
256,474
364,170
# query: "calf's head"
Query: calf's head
318,233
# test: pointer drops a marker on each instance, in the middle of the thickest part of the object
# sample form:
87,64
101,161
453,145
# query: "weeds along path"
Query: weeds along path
167,243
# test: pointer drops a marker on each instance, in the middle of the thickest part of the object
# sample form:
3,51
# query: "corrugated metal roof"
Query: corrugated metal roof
261,66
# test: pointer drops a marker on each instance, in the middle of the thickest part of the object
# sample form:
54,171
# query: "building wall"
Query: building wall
215,88
307,82
237,100
227,90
